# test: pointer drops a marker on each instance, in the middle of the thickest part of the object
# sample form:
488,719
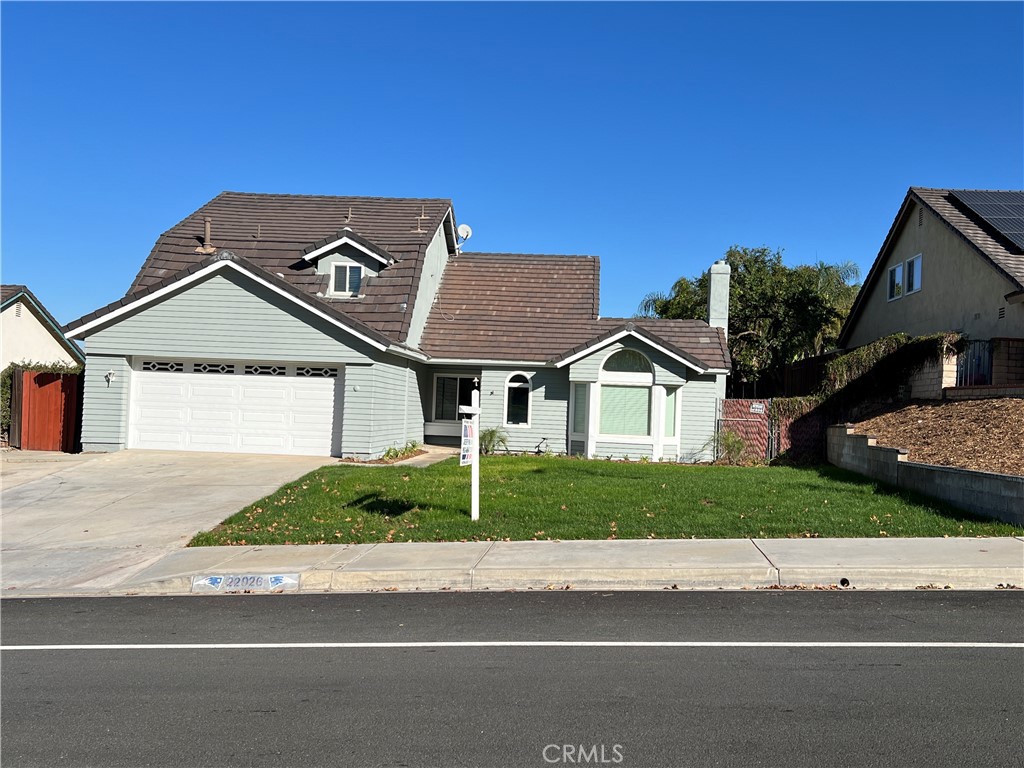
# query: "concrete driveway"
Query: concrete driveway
93,523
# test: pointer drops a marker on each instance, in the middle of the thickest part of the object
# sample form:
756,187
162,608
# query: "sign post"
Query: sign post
470,450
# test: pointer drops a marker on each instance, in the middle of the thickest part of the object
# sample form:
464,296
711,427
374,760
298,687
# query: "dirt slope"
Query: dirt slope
973,434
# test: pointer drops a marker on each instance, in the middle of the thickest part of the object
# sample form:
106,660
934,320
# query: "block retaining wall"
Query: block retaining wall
984,493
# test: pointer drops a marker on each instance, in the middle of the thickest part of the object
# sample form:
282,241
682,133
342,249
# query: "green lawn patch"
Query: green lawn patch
538,497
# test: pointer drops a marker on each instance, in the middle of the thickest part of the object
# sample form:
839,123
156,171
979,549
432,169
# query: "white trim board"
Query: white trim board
205,272
621,335
345,240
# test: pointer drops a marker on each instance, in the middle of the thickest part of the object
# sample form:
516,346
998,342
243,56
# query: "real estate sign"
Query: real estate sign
468,439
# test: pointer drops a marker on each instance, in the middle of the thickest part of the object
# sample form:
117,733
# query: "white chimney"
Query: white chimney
718,295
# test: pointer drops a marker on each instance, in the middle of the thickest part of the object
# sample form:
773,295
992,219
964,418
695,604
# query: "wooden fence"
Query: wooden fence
45,411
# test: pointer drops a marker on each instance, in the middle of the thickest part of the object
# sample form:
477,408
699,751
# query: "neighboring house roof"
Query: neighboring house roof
9,294
218,262
987,236
537,308
276,233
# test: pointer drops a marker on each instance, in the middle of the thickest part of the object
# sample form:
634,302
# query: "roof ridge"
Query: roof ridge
529,255
333,197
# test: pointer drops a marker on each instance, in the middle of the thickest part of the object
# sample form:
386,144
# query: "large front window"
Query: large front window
449,393
625,410
626,381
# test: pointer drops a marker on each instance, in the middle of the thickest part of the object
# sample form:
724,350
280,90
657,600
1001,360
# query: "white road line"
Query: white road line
509,644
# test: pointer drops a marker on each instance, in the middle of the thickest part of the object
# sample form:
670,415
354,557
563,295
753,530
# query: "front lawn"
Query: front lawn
527,497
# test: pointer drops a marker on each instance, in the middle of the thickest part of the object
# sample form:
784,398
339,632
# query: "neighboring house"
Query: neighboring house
345,326
29,333
953,261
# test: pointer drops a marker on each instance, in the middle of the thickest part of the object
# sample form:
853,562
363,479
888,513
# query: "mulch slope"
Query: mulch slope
972,434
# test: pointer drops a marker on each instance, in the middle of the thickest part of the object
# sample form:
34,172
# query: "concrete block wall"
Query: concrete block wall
929,382
986,392
984,493
1007,362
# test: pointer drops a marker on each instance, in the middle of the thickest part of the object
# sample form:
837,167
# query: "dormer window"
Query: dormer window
346,279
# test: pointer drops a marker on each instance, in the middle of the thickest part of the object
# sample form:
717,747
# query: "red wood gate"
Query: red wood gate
44,411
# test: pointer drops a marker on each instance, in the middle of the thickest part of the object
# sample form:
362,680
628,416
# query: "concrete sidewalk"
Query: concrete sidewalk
622,564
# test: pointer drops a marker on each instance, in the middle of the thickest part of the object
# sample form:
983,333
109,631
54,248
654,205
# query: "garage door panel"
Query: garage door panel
214,419
232,413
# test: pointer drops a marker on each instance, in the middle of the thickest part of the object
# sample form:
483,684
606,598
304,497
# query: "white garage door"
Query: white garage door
234,407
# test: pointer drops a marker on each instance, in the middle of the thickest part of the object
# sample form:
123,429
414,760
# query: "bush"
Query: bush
729,447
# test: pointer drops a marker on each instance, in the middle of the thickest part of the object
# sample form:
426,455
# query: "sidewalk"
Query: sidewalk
621,564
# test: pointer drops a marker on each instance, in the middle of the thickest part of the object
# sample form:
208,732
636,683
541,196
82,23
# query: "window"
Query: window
895,282
517,400
579,413
346,279
449,393
626,380
912,277
670,412
625,410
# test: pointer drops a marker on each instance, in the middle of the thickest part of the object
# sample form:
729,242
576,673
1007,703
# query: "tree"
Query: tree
777,314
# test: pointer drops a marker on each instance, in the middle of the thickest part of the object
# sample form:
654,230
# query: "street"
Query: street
387,680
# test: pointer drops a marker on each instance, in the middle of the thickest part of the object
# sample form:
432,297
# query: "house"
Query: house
953,261
344,326
29,333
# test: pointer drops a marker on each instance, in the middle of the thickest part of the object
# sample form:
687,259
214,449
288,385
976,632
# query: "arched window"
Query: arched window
626,379
627,361
517,400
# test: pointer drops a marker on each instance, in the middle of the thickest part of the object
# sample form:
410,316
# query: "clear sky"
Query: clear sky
652,135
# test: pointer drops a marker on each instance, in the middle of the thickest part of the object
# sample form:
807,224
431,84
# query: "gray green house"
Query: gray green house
344,326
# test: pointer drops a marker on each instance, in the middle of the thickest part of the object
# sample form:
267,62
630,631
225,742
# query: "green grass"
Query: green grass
524,498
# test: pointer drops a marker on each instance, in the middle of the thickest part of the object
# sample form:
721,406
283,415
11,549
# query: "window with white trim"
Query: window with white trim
517,400
579,412
912,275
670,412
450,392
346,279
895,282
627,377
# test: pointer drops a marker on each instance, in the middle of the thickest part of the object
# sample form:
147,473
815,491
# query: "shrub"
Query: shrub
729,447
493,438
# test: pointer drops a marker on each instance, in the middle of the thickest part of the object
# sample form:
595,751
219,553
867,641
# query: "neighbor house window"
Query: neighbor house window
517,400
912,277
626,381
449,393
346,279
895,282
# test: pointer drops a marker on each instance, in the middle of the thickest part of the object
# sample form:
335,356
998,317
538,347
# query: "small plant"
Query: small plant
492,439
729,447
645,459
394,453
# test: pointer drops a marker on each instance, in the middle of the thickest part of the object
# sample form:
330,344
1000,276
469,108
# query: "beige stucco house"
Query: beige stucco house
953,261
29,333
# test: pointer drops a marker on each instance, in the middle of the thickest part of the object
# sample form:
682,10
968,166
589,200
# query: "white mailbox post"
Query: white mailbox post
470,451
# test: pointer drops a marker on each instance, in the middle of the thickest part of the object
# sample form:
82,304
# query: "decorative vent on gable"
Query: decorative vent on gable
264,370
1002,313
17,309
160,365
213,368
326,373
920,215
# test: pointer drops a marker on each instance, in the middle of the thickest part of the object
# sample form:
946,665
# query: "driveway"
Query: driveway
91,524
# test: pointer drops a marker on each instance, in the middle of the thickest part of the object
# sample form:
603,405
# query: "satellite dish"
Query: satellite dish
465,231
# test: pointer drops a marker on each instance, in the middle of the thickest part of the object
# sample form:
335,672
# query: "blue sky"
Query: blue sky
652,135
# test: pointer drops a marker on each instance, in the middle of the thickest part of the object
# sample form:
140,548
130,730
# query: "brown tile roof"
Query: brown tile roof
10,291
274,232
247,266
536,308
1007,258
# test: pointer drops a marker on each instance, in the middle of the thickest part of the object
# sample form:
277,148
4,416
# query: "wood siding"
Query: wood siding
229,317
549,408
698,405
105,406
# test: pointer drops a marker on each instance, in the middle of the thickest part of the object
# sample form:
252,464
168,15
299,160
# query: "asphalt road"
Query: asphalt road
187,700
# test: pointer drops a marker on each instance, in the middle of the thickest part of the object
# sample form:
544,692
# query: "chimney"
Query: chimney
718,296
